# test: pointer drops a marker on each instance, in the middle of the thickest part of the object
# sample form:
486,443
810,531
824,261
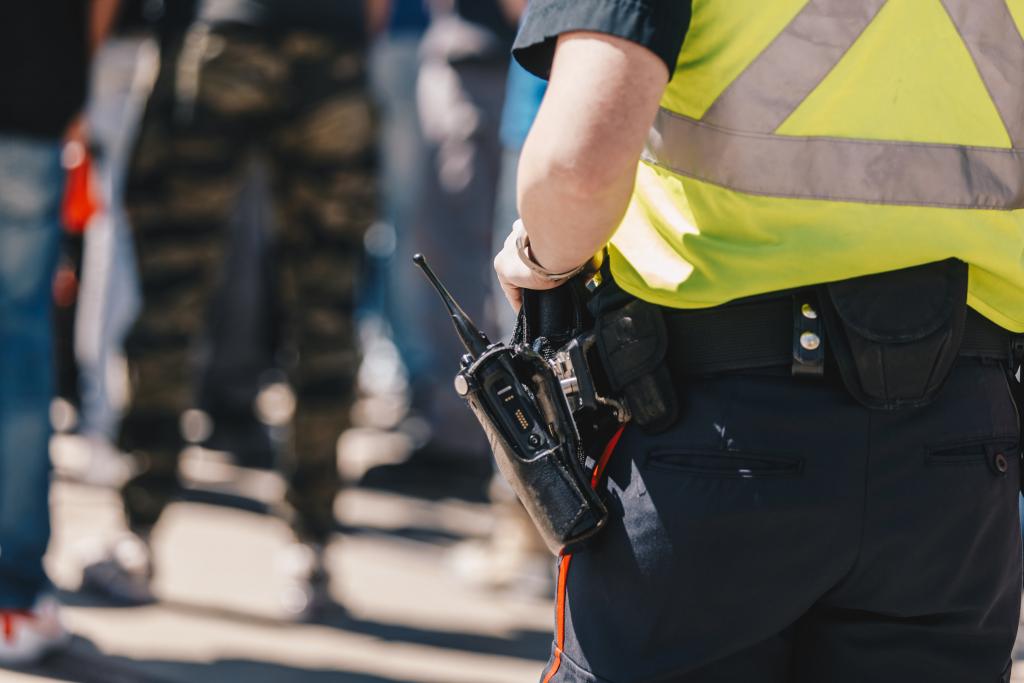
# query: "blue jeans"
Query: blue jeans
30,188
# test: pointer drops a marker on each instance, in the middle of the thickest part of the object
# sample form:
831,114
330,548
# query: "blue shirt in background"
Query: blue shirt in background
523,95
409,16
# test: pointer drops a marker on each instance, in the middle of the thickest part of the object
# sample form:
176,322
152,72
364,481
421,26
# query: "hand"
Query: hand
514,276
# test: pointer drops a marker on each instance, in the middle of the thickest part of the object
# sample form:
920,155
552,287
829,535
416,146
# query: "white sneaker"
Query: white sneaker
26,636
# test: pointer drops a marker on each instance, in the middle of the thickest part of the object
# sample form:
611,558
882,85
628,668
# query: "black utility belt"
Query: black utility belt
786,331
893,337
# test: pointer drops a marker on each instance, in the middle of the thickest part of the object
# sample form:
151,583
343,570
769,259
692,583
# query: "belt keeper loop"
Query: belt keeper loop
808,336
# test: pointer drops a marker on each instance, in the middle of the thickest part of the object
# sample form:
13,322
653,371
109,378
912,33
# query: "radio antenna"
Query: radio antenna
475,341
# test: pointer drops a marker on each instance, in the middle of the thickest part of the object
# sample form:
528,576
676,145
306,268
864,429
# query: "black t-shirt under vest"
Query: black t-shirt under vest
658,25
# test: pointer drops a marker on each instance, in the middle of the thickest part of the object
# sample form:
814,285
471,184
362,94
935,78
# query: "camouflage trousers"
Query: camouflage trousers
299,102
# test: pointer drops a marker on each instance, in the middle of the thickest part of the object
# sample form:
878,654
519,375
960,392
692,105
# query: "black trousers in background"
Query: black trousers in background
782,533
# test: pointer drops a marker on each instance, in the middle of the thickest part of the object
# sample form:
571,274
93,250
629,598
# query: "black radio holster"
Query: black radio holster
518,402
896,335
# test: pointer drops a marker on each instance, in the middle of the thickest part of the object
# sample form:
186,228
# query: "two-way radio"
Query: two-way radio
523,407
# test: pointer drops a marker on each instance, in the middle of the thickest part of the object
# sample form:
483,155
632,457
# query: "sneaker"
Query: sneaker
26,636
122,571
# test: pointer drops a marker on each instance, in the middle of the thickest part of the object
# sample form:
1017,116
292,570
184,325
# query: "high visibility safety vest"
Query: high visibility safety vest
807,141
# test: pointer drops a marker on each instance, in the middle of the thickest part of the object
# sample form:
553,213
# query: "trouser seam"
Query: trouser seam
867,486
859,548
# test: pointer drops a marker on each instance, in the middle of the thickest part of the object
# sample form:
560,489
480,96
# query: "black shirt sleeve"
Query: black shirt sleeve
658,25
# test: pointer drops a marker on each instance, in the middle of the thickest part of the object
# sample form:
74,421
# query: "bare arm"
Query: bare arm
579,163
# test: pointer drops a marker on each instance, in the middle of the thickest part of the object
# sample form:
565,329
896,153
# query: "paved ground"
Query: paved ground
407,619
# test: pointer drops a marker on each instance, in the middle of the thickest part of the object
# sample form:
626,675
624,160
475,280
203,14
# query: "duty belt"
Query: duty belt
778,331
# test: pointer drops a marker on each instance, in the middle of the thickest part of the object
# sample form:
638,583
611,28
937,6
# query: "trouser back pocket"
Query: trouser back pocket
726,464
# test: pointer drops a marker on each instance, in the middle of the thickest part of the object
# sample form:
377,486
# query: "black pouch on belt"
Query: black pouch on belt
896,335
633,343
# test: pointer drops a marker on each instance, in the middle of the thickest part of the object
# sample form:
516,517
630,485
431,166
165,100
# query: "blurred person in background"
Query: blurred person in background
111,291
44,57
523,95
517,556
394,66
283,80
514,556
122,77
460,94
387,277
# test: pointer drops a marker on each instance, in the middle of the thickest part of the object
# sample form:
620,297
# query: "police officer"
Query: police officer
835,496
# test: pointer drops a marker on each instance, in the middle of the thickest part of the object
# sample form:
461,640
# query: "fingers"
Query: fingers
514,295
514,276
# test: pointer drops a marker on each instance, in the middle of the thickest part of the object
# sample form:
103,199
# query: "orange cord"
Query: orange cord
563,573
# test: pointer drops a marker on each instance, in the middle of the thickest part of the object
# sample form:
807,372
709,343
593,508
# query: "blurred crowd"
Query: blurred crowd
208,210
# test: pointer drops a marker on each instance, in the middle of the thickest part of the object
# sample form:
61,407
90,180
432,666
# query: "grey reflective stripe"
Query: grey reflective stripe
995,44
733,145
867,171
795,63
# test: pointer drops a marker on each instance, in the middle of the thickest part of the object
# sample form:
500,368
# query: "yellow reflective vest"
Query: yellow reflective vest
807,141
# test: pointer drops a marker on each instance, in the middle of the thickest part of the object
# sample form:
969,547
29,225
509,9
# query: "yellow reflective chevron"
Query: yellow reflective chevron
1017,10
804,161
882,86
792,66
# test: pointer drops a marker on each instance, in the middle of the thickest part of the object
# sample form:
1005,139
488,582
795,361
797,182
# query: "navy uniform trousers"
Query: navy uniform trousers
783,533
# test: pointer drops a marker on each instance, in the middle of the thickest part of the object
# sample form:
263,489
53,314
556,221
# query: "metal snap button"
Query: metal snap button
810,341
1002,465
808,312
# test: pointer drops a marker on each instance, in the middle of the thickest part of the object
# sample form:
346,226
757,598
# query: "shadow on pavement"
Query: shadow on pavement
84,599
83,663
434,476
247,671
523,644
520,644
407,533
246,504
